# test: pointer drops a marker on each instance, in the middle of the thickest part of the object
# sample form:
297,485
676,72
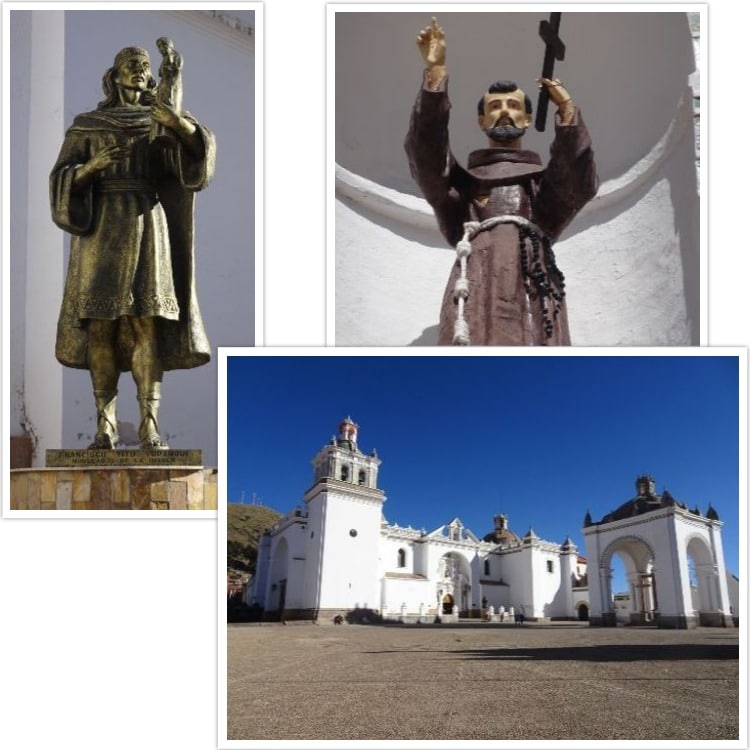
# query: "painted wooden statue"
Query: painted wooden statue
504,210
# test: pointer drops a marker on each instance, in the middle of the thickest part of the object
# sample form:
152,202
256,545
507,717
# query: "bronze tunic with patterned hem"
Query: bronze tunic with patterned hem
131,252
516,292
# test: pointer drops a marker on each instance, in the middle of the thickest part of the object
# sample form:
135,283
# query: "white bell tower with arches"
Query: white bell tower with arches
673,558
344,514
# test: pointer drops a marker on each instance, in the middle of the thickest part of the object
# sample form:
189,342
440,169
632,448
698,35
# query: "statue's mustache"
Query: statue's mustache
502,133
504,120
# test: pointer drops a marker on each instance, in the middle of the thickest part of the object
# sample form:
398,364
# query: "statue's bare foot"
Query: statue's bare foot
148,432
103,441
154,444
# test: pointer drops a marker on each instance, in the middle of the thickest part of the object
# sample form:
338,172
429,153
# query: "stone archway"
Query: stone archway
583,611
704,584
448,604
641,603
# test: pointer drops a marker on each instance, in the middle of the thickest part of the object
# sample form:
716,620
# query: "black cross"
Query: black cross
554,50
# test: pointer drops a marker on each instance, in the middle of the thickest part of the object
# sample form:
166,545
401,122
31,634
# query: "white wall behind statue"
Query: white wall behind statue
631,258
218,76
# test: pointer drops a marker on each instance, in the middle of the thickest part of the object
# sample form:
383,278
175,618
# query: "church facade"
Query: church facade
338,556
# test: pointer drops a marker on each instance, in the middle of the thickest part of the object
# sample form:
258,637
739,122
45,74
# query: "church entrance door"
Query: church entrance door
448,604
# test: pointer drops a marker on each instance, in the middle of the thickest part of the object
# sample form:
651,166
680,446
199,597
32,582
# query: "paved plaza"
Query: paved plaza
481,682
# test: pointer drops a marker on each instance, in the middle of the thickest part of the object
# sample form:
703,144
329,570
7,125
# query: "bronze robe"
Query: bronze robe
131,251
516,293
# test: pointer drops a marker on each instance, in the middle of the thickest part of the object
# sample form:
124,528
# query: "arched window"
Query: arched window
344,473
402,558
362,477
487,567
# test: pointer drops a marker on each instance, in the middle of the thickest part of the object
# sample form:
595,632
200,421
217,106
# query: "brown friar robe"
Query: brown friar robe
132,246
516,293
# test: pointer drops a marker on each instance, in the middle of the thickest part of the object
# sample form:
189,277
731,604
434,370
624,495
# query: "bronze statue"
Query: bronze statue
129,302
503,211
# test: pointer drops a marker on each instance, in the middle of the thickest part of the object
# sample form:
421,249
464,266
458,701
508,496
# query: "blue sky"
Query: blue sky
543,439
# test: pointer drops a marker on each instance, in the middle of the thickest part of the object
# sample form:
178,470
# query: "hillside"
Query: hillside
245,524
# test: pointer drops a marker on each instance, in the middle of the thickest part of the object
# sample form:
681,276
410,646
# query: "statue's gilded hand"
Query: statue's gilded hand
185,130
99,162
431,44
558,94
105,158
165,115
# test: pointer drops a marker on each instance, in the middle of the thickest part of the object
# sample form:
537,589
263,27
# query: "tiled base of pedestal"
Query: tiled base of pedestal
118,488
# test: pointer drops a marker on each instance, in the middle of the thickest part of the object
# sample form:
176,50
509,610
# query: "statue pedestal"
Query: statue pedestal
115,480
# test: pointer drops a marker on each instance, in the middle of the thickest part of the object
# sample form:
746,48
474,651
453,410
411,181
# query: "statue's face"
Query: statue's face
505,116
134,73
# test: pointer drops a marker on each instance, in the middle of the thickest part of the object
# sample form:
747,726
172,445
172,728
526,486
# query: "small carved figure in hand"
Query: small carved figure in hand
169,90
504,210
130,302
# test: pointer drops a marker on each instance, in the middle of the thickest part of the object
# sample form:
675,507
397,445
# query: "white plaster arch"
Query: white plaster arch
706,595
624,545
697,542
464,561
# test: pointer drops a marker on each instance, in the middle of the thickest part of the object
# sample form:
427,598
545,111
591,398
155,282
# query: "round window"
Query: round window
352,532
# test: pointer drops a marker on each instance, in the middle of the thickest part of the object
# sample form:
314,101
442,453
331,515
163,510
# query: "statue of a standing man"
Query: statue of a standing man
503,211
129,302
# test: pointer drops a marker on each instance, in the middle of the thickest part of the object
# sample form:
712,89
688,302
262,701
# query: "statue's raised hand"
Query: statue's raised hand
431,44
165,115
560,97
558,94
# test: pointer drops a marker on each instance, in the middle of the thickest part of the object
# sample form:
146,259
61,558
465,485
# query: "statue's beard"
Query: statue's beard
505,133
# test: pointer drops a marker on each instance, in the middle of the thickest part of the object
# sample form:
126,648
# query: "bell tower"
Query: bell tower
345,511
342,459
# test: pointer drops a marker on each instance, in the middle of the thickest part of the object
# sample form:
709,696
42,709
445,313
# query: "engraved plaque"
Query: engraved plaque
84,458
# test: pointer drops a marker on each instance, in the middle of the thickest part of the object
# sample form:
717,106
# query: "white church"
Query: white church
338,556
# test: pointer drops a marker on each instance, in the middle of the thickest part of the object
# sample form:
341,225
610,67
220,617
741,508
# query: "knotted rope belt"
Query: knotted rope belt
541,278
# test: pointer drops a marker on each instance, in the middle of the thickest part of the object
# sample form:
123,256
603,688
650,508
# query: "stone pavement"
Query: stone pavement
481,682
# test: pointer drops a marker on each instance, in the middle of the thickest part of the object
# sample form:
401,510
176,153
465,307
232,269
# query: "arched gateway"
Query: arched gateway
673,557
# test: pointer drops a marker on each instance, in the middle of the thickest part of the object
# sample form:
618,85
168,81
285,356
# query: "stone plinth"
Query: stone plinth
715,620
114,488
